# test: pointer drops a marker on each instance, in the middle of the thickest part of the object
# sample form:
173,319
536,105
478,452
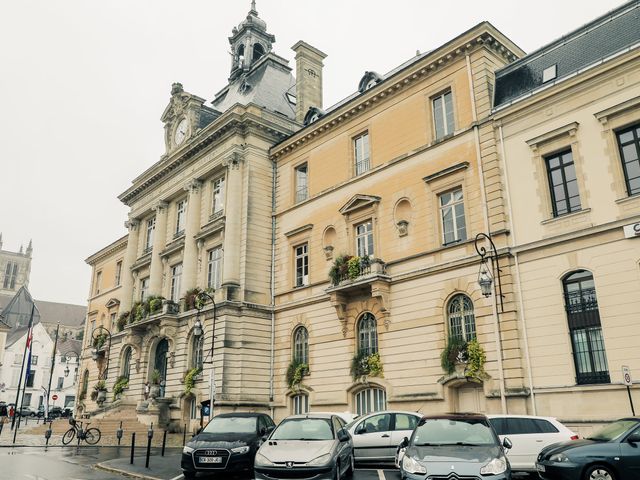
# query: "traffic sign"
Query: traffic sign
54,397
626,376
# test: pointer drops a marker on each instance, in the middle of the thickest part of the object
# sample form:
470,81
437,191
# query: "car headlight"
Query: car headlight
321,460
262,461
188,450
410,465
559,457
494,467
240,450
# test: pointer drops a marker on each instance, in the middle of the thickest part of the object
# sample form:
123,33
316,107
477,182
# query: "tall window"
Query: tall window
370,400
193,409
218,196
181,216
214,268
151,227
197,355
126,363
34,360
452,214
31,376
565,197
361,153
60,385
118,273
98,282
629,143
462,321
364,239
300,404
176,277
10,275
589,353
443,114
367,335
144,289
302,192
302,265
301,345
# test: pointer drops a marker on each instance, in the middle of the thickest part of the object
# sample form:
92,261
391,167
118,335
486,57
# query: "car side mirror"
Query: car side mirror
361,429
634,437
506,443
404,443
343,435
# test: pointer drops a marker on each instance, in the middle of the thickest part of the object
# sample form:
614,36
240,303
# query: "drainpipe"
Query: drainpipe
273,280
523,316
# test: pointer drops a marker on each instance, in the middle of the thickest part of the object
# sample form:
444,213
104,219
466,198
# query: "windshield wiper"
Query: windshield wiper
466,444
427,444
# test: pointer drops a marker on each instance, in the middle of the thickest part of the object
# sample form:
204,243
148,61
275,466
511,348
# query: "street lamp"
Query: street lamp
198,330
485,275
67,359
96,344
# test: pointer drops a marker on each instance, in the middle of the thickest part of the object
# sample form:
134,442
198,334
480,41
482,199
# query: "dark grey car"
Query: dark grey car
458,445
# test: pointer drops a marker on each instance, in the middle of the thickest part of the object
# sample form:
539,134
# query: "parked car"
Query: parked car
611,453
348,417
55,412
376,436
459,445
314,446
26,412
227,444
529,435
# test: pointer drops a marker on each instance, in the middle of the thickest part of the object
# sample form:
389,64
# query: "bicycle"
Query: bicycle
89,435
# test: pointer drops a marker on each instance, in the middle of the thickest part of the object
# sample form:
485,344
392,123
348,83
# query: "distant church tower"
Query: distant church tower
250,41
15,269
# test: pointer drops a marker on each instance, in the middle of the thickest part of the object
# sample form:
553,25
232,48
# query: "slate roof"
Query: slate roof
610,34
265,85
69,345
53,312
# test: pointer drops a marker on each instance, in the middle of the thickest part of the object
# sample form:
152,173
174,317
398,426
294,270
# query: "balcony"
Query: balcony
143,314
358,277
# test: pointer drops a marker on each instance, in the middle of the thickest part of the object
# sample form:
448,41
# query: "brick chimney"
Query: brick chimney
308,78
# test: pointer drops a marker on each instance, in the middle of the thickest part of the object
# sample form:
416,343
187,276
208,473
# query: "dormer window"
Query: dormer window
369,80
313,115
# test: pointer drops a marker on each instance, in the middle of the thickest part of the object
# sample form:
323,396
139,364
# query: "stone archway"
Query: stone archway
160,360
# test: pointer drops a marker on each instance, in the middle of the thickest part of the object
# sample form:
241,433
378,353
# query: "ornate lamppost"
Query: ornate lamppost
201,299
67,359
97,342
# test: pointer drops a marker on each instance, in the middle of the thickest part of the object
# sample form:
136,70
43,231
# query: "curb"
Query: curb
125,473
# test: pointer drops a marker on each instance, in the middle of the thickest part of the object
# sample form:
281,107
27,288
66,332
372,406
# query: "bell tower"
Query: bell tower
249,41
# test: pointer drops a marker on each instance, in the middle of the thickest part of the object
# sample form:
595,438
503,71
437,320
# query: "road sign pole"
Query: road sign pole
633,410
626,379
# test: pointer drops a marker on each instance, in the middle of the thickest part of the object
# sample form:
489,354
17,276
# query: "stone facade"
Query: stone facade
15,269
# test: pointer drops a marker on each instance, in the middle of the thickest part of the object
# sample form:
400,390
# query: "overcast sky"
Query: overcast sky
83,84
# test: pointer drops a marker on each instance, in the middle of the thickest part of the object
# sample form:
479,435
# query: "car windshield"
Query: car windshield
303,429
437,432
612,431
231,425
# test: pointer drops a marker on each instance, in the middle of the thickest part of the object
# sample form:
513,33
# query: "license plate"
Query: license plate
210,459
540,468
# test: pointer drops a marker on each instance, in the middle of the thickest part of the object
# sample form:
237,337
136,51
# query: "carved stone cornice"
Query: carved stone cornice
132,224
193,186
160,207
120,244
233,161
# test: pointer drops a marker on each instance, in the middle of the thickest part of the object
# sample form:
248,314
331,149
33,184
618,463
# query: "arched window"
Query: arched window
462,322
301,345
240,56
300,404
258,51
581,304
197,354
370,400
126,362
367,335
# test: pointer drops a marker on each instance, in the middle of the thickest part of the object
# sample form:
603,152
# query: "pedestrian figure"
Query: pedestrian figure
11,411
146,390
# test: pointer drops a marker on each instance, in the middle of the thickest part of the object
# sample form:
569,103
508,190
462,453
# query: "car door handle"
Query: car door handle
385,436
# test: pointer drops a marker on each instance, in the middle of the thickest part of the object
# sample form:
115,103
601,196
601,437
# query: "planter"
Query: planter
154,391
102,396
94,354
460,369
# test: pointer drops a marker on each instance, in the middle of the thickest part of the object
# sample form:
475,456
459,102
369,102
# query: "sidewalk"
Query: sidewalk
160,468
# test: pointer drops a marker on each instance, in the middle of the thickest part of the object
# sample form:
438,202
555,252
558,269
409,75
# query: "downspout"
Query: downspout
523,317
274,171
485,212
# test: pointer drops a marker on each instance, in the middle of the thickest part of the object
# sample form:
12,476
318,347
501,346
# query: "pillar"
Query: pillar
159,242
133,225
233,224
192,227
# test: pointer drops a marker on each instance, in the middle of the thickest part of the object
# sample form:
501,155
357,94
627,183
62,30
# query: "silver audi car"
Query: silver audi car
314,446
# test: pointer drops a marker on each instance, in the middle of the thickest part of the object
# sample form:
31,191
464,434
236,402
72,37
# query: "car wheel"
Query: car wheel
352,465
337,476
599,472
188,475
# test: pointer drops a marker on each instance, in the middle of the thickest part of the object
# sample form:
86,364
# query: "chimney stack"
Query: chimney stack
308,78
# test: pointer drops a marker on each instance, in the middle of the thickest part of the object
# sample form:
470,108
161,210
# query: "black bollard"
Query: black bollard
47,434
133,446
1,427
149,437
164,442
184,435
119,433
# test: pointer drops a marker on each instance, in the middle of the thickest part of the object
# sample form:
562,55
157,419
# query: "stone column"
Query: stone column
159,242
129,259
233,225
192,227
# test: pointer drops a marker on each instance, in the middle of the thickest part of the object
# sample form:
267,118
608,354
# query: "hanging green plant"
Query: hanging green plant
476,360
191,299
155,377
295,372
366,365
120,385
122,321
454,353
190,380
353,267
99,341
340,269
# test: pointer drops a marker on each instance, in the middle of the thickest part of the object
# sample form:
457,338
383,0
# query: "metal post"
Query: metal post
47,434
633,410
1,427
53,364
184,435
119,433
149,437
164,442
133,446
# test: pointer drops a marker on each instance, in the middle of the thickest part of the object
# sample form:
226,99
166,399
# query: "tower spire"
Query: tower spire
253,7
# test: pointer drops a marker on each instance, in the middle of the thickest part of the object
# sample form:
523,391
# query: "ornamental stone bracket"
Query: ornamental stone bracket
339,301
233,161
378,290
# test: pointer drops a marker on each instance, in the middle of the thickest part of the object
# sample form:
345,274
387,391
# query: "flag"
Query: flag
29,339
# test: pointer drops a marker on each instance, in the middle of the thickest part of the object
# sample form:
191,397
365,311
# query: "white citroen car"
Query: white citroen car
529,435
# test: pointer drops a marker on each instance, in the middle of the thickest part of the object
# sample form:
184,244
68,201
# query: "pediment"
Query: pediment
358,202
180,103
113,302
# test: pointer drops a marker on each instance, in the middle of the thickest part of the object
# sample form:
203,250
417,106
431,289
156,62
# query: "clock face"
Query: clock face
181,131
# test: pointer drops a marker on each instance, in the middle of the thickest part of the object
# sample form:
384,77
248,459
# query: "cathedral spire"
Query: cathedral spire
253,8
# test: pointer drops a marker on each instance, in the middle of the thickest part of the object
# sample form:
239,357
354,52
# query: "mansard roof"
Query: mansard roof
594,43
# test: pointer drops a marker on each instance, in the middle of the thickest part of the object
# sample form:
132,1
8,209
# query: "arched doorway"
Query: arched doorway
160,362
